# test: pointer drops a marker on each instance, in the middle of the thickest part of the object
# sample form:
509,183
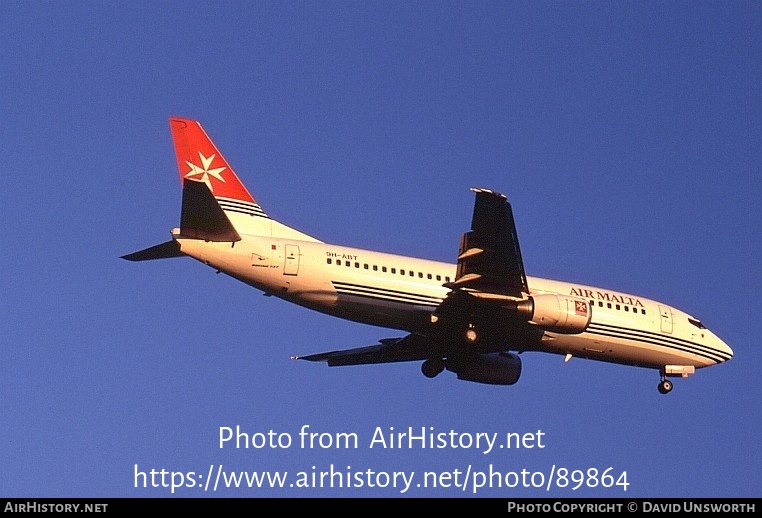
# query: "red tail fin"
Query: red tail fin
199,160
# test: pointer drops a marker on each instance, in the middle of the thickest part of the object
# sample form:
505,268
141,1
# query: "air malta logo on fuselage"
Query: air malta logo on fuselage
604,295
202,174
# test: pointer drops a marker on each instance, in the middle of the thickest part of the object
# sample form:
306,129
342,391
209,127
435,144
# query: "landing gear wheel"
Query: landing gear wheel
431,368
471,334
665,386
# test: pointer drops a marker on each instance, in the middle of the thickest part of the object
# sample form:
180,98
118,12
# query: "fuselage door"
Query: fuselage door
665,314
291,264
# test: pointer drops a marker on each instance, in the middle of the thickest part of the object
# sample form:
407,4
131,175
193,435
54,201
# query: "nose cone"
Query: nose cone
724,349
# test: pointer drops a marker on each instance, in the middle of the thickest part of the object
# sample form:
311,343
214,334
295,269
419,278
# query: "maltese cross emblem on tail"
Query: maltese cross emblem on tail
202,174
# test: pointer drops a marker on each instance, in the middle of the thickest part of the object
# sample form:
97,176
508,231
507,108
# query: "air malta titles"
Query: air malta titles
604,295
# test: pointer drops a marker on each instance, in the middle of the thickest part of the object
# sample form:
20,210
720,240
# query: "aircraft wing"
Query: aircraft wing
489,260
410,348
489,263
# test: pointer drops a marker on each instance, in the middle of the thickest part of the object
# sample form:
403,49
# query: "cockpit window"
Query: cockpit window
696,323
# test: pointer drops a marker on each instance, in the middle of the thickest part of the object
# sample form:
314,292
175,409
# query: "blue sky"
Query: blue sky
626,135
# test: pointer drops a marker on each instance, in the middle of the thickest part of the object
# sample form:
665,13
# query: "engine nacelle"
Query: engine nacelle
558,313
501,368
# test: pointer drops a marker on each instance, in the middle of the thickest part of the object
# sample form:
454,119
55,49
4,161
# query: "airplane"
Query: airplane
473,317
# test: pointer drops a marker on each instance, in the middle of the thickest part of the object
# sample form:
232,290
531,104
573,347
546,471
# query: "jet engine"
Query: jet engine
501,368
557,313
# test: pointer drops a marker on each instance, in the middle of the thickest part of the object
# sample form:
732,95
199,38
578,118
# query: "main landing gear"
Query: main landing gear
432,367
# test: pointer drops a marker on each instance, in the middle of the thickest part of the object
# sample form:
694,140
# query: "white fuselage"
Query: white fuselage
402,292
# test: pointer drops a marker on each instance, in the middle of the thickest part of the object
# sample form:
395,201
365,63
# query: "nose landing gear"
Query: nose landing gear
665,386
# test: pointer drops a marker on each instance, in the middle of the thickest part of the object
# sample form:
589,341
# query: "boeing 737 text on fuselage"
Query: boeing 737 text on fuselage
472,318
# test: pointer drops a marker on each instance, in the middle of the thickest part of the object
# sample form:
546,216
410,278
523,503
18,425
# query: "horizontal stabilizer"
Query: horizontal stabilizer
162,251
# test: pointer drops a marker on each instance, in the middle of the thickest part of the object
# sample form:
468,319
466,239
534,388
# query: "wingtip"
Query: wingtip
479,190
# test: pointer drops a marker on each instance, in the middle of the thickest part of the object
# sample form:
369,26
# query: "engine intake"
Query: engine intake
557,313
